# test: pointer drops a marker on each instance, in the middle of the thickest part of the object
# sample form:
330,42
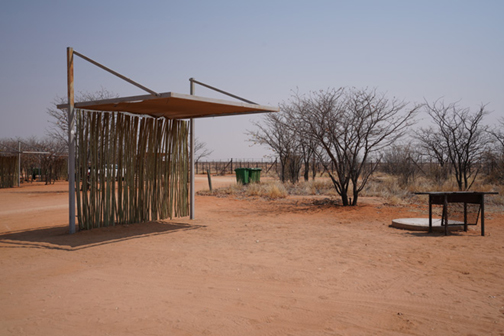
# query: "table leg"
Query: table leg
430,214
445,214
465,216
482,205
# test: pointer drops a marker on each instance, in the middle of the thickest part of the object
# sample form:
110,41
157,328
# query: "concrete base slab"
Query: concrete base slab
422,224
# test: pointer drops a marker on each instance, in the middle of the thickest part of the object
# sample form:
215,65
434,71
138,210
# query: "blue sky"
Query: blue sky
261,50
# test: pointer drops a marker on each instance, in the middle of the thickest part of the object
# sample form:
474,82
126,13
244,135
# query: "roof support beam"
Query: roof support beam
154,93
192,80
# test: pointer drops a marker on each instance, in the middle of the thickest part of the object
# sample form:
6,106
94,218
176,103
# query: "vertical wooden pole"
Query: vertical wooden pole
209,180
191,211
71,139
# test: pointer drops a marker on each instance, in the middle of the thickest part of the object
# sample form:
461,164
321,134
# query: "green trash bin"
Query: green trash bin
255,175
242,175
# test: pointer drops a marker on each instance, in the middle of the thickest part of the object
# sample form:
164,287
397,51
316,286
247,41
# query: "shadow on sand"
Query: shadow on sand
57,237
459,233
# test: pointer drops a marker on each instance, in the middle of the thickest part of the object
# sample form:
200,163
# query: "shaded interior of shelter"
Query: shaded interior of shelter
57,237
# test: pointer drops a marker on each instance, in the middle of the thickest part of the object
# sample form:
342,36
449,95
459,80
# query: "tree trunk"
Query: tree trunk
314,170
306,170
344,197
355,197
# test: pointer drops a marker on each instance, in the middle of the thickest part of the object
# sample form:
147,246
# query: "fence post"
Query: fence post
209,180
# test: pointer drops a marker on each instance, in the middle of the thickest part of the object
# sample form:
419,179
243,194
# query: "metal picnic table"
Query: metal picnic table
465,197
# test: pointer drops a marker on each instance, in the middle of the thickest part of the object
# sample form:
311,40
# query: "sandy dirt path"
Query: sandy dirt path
245,267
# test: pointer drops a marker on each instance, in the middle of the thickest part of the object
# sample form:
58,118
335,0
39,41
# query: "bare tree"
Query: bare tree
402,160
428,143
47,154
200,150
495,155
498,133
307,147
53,164
59,122
351,126
457,137
275,133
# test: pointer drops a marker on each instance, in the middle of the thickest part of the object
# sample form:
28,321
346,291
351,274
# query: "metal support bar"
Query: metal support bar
71,141
19,163
445,214
192,80
192,192
465,216
430,213
116,73
482,206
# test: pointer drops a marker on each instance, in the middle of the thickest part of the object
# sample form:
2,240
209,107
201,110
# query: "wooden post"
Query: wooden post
209,180
71,140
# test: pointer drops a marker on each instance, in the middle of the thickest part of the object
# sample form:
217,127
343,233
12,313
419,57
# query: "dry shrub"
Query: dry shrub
233,189
496,200
388,187
317,187
277,191
254,189
272,190
380,185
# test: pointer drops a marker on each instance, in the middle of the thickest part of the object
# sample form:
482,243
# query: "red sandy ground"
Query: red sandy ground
245,267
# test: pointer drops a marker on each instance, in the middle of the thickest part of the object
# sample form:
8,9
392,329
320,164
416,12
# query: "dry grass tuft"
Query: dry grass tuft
317,187
270,190
277,190
380,185
388,187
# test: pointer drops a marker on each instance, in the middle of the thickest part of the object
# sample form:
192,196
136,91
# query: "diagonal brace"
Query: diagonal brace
154,93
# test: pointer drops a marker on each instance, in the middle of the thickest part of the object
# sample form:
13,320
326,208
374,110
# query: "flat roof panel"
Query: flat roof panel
173,105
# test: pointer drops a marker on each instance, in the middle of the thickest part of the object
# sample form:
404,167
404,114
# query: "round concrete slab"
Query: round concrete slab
422,224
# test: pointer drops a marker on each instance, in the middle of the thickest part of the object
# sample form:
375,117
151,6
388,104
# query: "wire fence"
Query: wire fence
223,167
268,166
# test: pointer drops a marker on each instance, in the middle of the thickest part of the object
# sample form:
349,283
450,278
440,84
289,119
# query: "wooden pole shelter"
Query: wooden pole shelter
169,105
